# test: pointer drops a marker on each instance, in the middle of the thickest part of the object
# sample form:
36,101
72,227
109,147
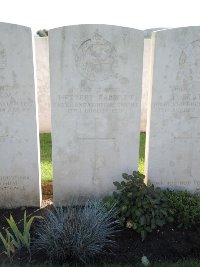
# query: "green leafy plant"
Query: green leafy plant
8,245
76,232
185,206
42,33
16,240
141,207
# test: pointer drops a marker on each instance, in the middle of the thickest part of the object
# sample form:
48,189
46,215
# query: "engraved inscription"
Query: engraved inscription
96,58
178,183
183,100
10,183
12,102
96,103
3,57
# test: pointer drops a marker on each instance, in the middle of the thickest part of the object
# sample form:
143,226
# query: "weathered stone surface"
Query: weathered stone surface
146,79
173,136
19,168
43,80
96,84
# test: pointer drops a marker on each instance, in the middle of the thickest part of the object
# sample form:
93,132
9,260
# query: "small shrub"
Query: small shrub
140,207
42,33
76,233
16,240
185,206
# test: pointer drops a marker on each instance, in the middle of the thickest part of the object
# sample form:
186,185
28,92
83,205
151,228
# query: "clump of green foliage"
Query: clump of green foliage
15,240
140,206
76,232
46,157
185,206
42,33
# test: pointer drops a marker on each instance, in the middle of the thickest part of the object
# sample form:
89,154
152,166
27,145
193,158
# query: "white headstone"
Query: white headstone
43,86
173,136
96,81
19,159
145,82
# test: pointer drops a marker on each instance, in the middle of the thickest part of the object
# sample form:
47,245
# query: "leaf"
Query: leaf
147,219
115,195
164,212
118,185
134,226
160,222
143,220
170,219
148,228
123,208
123,184
12,240
137,213
143,234
3,240
8,245
14,228
129,194
125,176
27,226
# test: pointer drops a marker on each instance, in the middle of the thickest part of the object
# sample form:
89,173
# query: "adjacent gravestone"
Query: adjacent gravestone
96,81
173,136
19,160
145,82
43,86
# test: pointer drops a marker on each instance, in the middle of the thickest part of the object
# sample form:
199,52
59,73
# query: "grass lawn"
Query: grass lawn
46,156
142,152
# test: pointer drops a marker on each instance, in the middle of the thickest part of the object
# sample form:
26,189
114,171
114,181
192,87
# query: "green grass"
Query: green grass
46,156
142,152
164,264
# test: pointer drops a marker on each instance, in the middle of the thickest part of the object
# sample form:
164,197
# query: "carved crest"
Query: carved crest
96,58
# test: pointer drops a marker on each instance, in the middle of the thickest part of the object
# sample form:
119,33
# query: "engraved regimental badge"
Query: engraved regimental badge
189,61
96,58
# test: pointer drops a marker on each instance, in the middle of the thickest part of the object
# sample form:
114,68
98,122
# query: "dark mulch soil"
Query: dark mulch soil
19,212
165,244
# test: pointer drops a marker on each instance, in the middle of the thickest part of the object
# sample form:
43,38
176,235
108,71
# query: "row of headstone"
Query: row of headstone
43,82
173,132
96,81
20,182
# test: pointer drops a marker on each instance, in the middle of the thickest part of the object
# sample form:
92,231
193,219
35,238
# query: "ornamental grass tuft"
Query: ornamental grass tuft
76,232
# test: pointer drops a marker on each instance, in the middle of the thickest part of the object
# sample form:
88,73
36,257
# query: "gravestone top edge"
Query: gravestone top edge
93,25
14,25
171,30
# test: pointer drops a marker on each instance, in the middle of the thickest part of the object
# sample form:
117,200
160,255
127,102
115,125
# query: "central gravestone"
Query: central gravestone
173,136
20,183
96,74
